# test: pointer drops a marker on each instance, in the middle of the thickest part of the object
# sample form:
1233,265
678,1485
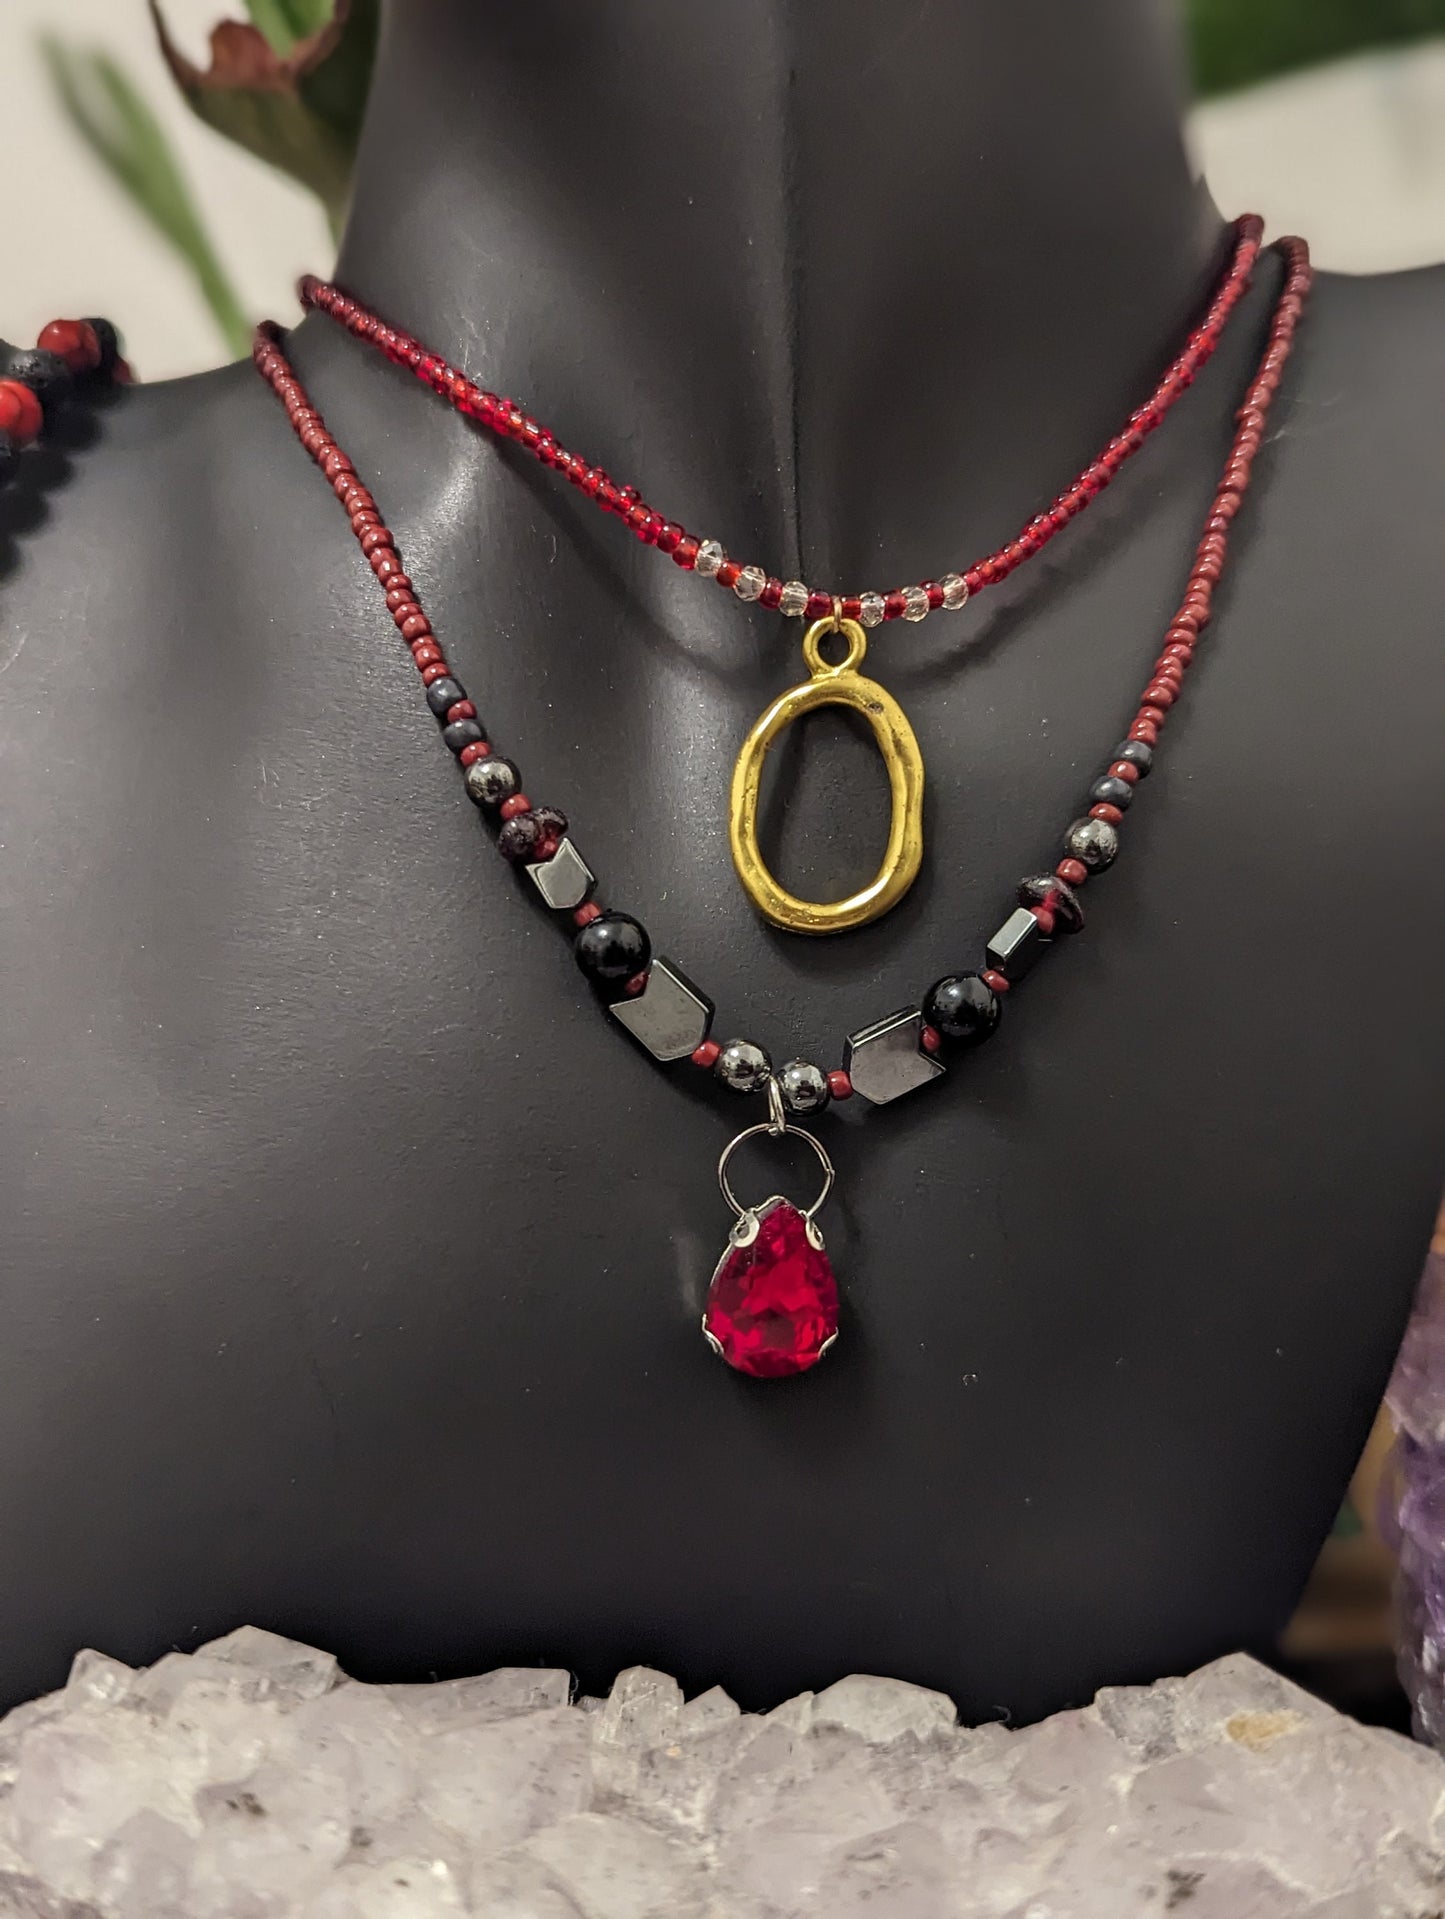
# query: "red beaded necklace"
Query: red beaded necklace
792,597
772,1308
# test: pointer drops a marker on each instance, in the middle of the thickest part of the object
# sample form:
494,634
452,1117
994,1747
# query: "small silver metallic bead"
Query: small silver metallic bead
710,557
1095,843
795,599
489,782
915,604
870,609
804,1086
750,583
955,590
743,1066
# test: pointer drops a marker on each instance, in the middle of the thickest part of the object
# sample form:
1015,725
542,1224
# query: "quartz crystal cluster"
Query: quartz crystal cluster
252,1780
1417,1402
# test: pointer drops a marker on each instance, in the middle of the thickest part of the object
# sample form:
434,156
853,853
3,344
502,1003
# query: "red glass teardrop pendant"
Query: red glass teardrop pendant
772,1308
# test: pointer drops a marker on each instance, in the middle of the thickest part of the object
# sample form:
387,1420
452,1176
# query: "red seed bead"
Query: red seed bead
1044,916
635,985
461,710
705,1055
1154,713
588,911
727,573
684,554
478,750
1146,731
839,1084
436,671
1124,770
930,1039
1074,871
20,414
425,653
518,803
1159,693
76,341
995,982
1103,811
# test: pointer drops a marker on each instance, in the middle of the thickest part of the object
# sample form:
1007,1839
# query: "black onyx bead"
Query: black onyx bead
8,457
1047,889
1111,791
491,781
109,347
46,374
612,949
443,693
1094,843
1138,753
962,1008
461,733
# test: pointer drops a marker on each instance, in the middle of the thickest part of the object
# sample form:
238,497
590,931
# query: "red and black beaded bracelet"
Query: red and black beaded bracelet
650,996
36,382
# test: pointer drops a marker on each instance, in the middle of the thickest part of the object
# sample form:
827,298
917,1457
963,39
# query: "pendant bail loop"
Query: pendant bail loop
777,1115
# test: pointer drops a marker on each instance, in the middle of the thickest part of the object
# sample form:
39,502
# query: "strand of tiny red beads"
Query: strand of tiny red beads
707,557
962,1008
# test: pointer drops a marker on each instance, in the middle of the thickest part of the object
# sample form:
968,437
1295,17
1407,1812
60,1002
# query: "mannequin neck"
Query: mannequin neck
992,207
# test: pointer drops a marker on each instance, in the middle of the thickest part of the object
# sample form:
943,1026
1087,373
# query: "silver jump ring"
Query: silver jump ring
794,1132
777,1117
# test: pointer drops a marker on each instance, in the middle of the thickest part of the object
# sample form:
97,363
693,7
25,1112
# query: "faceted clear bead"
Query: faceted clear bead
750,583
955,590
710,557
870,609
795,599
915,604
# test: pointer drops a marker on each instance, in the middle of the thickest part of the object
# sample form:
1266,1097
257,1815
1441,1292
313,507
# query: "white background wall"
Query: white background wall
1352,155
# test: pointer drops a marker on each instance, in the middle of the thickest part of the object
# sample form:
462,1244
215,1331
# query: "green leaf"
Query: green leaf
1236,42
301,108
124,135
285,22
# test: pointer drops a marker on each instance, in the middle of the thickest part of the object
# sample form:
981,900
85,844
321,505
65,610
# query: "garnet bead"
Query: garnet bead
611,948
1047,889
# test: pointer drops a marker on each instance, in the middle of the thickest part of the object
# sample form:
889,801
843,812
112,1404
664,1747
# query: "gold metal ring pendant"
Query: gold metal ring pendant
840,685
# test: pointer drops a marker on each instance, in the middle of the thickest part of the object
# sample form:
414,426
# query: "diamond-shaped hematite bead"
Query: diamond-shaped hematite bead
565,880
887,1059
670,1016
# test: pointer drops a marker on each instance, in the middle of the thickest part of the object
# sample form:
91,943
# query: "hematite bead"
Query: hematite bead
1016,945
743,1066
443,693
962,1008
613,948
491,781
1110,791
460,733
1137,753
1093,843
804,1087
1047,889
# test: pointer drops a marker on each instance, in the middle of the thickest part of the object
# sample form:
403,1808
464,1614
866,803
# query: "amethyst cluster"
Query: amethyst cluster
1417,1402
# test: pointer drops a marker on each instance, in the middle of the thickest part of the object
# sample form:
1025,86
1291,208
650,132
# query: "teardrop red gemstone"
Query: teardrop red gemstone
773,1304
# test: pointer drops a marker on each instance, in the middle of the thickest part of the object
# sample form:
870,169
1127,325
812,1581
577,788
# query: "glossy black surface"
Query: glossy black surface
351,1257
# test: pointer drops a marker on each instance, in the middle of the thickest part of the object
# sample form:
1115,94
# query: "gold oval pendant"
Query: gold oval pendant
839,685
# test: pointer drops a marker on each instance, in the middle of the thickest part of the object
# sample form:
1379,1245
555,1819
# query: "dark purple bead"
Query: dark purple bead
461,733
1138,753
109,340
1047,889
443,693
1110,791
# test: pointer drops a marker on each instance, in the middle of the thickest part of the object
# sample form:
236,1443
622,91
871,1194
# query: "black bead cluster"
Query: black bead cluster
48,377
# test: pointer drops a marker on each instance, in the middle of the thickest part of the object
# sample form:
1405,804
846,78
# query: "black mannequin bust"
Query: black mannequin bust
351,1261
